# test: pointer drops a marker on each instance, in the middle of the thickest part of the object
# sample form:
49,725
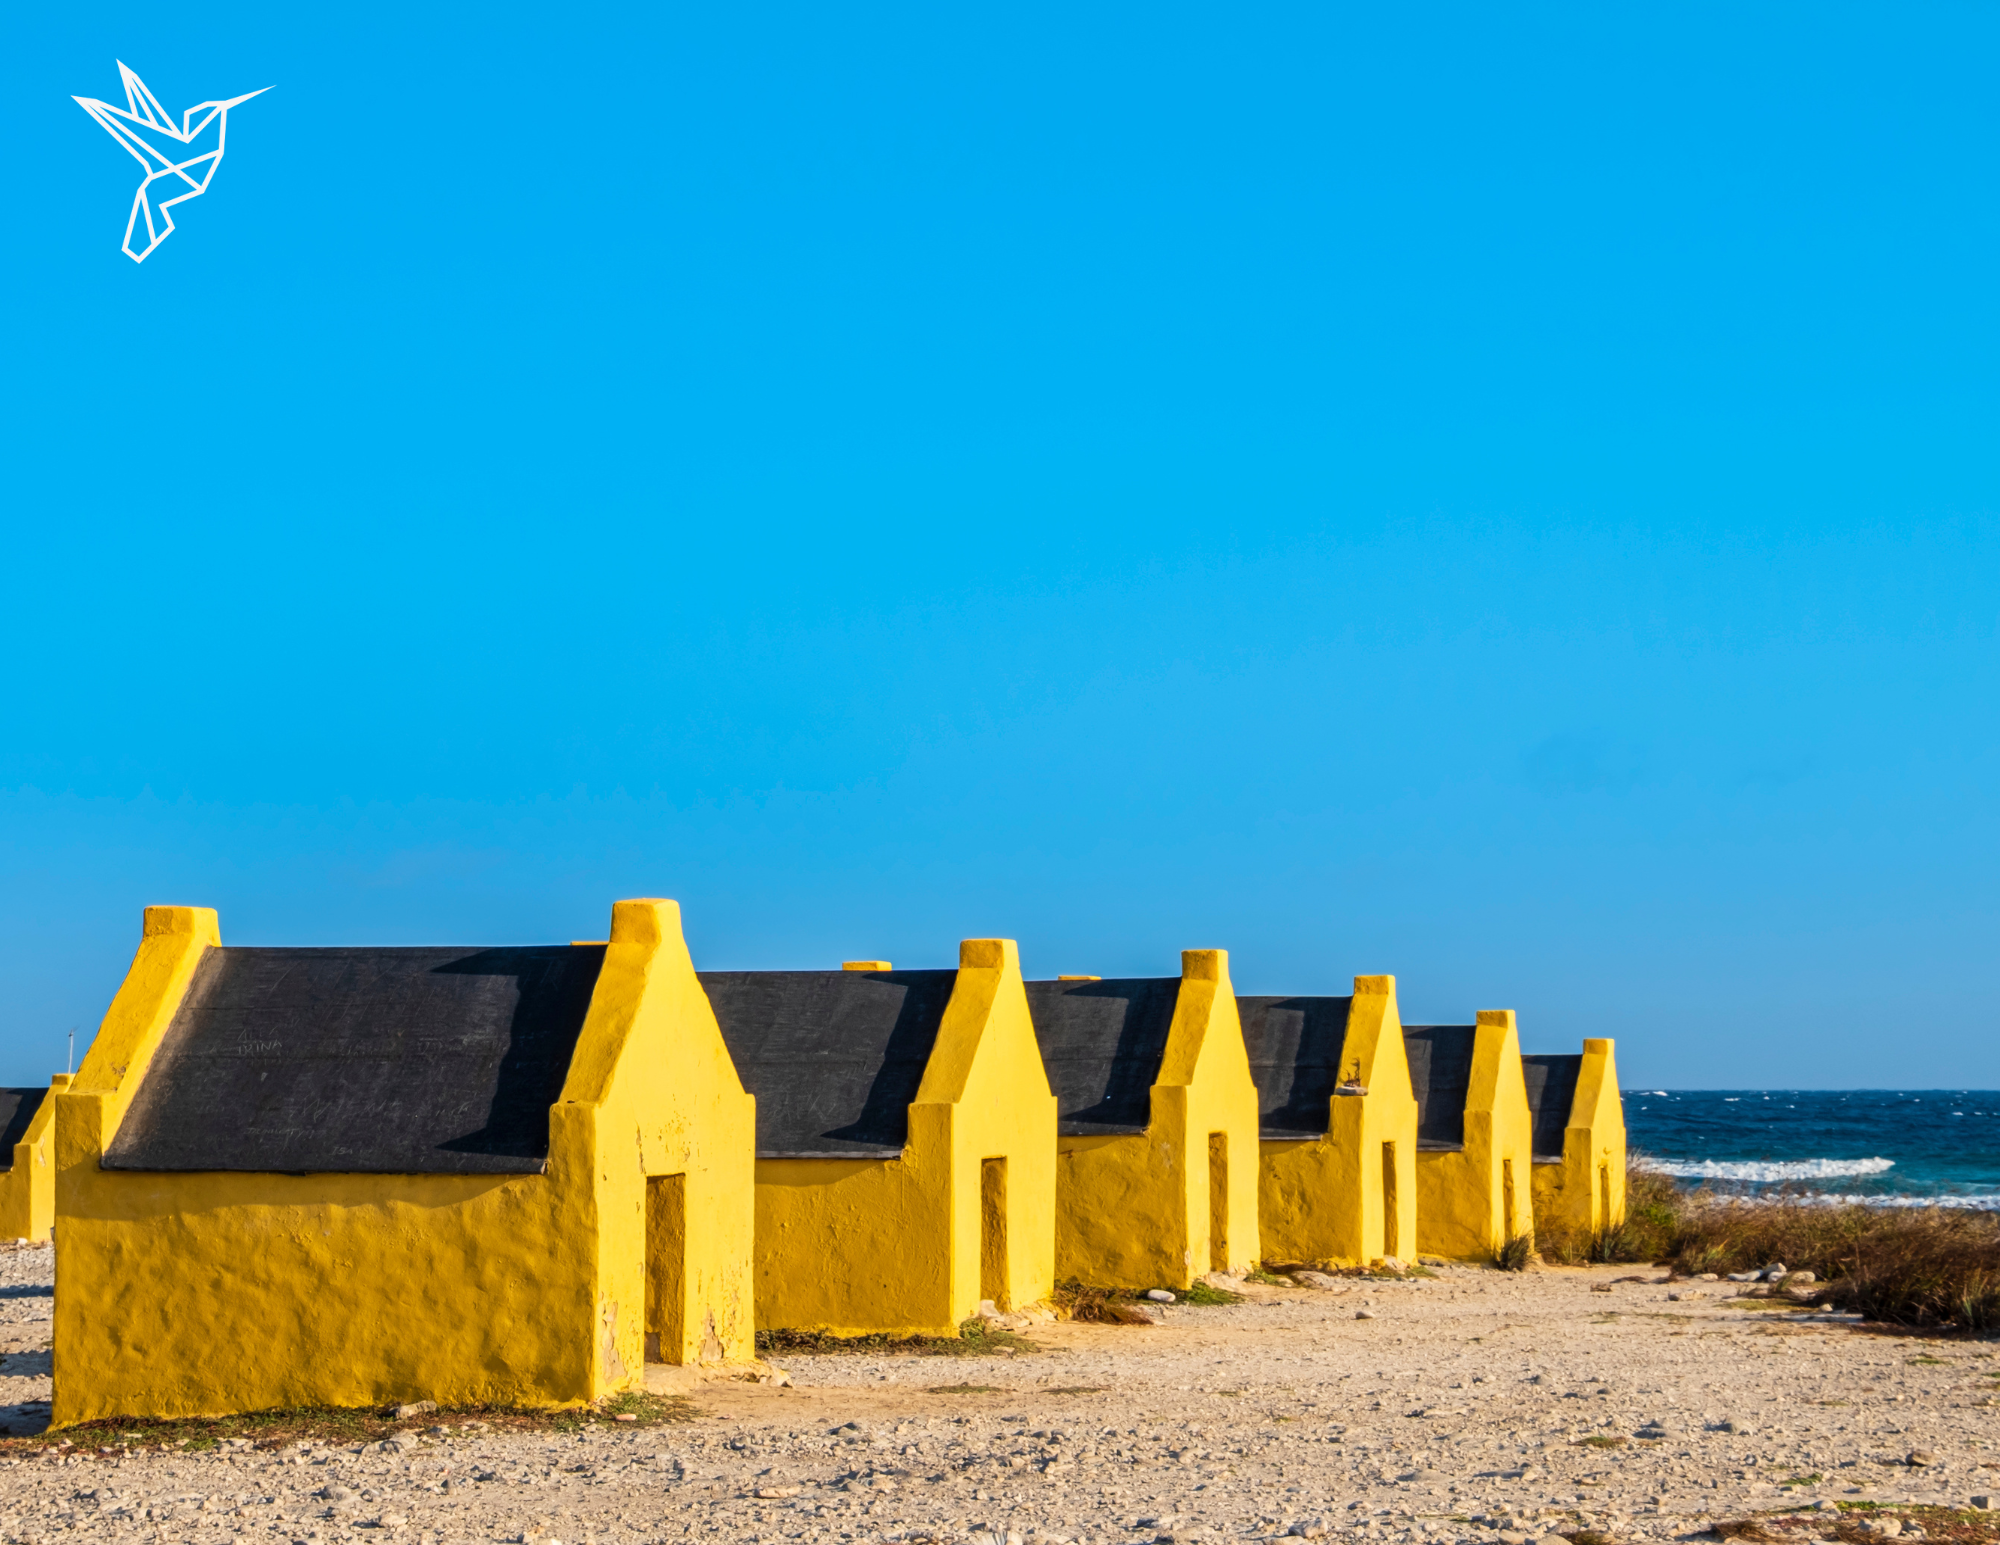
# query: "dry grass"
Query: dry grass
1928,1267
975,1338
1094,1305
274,1429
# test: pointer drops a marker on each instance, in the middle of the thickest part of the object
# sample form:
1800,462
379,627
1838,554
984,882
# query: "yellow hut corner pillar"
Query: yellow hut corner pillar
895,1215
1476,1194
1176,1198
675,1236
986,1095
28,1188
1348,1196
1582,1189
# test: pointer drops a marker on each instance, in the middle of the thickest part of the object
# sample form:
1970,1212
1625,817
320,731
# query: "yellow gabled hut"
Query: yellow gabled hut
28,1186
355,1177
906,1141
1579,1142
1474,1136
1337,1181
1156,1125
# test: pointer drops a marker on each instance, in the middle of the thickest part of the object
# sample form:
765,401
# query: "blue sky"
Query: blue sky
1503,499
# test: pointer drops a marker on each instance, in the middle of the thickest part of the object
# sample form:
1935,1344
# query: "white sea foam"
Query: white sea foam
1763,1170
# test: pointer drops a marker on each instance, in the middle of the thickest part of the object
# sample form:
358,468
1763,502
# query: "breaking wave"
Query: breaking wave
1757,1170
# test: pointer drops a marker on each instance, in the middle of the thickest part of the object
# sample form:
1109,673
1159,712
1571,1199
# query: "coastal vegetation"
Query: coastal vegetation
1935,1267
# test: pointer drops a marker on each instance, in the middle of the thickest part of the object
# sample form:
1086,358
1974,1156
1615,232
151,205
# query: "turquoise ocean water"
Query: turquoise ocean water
1891,1147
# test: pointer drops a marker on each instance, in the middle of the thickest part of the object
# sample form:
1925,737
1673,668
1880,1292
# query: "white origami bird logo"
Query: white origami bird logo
181,169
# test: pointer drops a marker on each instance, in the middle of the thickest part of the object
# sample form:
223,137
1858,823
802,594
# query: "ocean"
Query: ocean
1883,1146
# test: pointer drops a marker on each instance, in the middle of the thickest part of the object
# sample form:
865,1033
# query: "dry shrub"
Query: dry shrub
1073,1300
1924,1266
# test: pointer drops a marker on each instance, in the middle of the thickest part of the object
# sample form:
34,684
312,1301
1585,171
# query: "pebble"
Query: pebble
1160,1295
1364,1314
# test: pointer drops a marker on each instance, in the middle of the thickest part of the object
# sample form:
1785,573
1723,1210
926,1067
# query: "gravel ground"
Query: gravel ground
1460,1411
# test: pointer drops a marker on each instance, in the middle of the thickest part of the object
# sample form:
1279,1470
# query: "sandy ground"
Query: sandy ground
1459,1412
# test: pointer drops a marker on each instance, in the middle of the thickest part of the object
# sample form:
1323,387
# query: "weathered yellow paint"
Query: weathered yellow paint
28,1187
1139,1209
1586,1191
856,1246
1470,1202
866,965
1350,1198
202,1294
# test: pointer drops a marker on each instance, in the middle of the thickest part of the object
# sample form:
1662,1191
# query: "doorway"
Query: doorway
1218,1201
666,1268
1392,1232
993,1231
1507,1200
1605,1220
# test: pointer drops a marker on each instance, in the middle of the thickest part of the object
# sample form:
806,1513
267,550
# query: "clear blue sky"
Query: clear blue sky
1502,498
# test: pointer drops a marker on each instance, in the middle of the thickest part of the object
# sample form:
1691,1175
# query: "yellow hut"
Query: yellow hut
1337,1181
1579,1142
906,1142
1156,1125
348,1177
1474,1136
28,1185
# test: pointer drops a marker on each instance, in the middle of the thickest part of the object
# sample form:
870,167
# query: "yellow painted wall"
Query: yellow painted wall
1328,1199
28,1188
1464,1201
207,1293
1134,1209
857,1246
1586,1190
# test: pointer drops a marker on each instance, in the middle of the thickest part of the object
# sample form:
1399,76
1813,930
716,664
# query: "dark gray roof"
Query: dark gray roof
1294,1046
833,1057
1440,1074
17,1109
433,1061
1551,1084
1102,1044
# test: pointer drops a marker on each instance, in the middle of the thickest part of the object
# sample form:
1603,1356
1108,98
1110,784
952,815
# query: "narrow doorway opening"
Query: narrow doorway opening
1508,1231
666,1268
1392,1234
1604,1196
993,1231
1218,1201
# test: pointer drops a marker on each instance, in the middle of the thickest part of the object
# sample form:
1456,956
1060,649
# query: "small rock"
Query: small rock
771,1493
392,1521
1801,1279
1552,1539
1364,1314
1745,1276
1922,1456
1392,1263
425,1407
1160,1295
1316,1279
1740,1429
1673,1298
1512,1537
1774,1271
1982,1501
1707,1276
1308,1528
